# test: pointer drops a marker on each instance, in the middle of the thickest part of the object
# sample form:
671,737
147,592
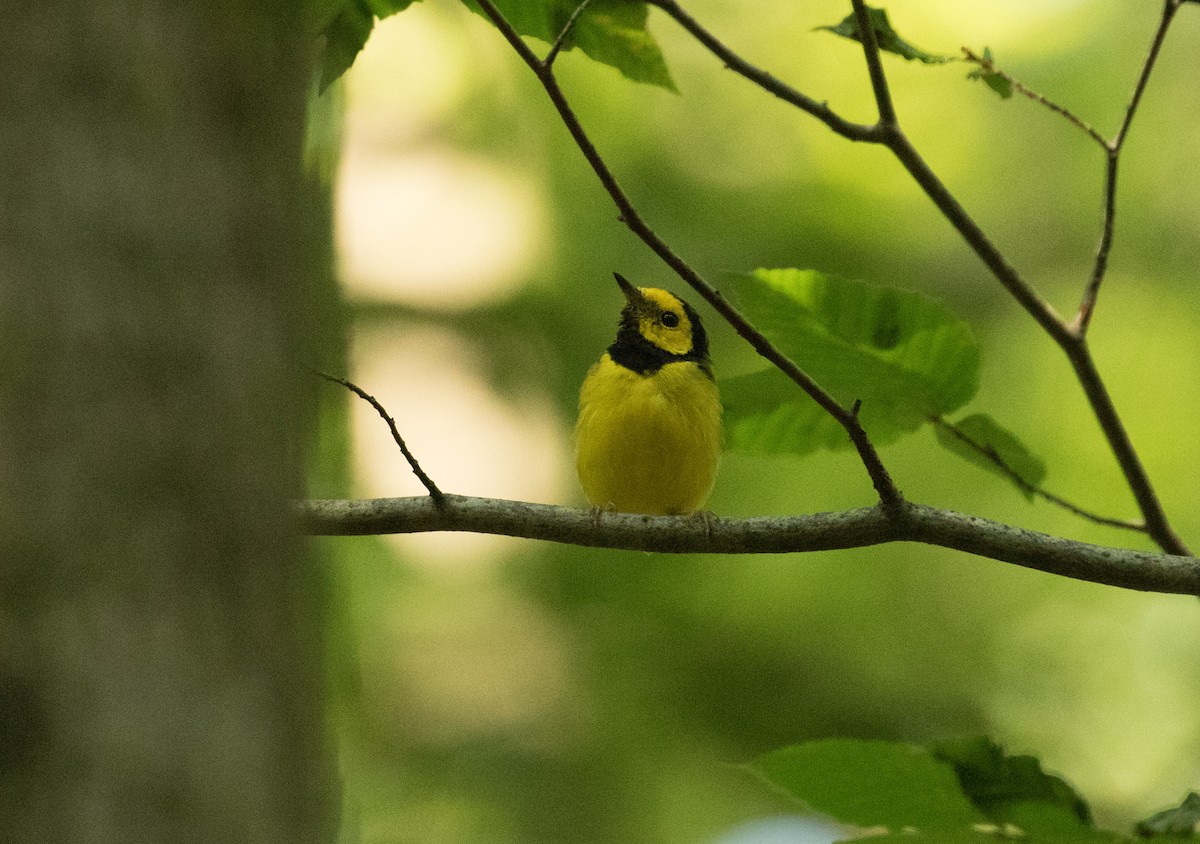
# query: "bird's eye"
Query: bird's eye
670,320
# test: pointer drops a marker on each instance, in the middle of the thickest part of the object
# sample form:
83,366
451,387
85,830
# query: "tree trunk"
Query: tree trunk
159,619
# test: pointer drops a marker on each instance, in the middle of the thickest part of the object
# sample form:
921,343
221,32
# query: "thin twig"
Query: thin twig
561,40
1157,525
897,142
1128,569
990,454
870,45
1170,7
1072,342
889,494
763,79
1091,293
989,66
436,494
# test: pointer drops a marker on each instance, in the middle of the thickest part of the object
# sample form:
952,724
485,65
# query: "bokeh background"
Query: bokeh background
496,690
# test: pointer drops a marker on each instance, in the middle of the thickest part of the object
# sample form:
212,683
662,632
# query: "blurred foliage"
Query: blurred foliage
1181,822
612,32
963,790
549,694
880,784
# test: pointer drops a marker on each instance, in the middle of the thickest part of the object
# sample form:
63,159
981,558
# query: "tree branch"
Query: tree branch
991,455
1157,525
870,45
1018,86
1147,572
561,40
889,494
1112,149
764,80
436,494
890,136
1068,337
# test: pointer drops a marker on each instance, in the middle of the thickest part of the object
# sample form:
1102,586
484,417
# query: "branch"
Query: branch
868,526
764,80
561,40
1091,293
1069,338
889,494
1157,525
870,45
890,136
436,494
990,66
990,454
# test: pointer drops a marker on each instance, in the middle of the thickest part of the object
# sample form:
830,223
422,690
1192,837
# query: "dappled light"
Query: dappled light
482,218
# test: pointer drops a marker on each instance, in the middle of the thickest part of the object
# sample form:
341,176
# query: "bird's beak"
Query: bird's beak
632,295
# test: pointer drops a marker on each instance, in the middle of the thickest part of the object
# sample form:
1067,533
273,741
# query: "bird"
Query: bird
648,438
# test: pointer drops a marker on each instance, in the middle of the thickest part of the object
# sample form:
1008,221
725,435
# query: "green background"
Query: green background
510,691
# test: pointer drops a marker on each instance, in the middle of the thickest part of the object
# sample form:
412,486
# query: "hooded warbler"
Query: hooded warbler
649,437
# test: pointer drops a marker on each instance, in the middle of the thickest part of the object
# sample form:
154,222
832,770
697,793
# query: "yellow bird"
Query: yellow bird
649,433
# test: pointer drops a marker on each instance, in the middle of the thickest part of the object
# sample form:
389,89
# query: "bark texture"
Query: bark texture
159,622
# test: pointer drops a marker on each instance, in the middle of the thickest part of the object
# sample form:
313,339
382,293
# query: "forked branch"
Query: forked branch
889,495
1112,149
435,494
818,532
1070,337
992,456
990,67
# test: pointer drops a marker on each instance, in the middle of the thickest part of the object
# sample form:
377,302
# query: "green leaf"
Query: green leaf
1014,789
345,36
387,8
981,440
871,783
999,83
612,32
765,413
886,37
906,356
347,33
1018,796
1181,822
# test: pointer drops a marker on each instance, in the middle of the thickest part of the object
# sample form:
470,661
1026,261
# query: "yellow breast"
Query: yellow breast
648,443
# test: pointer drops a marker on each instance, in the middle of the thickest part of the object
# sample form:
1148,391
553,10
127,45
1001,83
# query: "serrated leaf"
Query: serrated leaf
1013,789
1181,822
871,783
906,356
885,36
612,32
981,440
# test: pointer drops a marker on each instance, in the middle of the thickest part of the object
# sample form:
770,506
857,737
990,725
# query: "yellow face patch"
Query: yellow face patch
663,321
